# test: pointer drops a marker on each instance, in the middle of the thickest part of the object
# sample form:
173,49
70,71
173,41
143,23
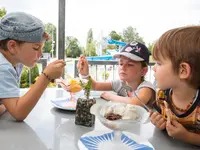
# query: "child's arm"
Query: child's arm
176,130
113,97
192,138
145,94
83,68
2,109
19,108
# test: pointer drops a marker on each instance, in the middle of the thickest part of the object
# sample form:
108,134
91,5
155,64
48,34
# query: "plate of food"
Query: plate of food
72,86
64,103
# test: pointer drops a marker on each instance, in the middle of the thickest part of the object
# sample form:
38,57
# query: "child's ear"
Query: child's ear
11,45
144,71
184,70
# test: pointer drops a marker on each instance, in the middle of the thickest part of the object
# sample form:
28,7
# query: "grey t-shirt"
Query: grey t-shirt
118,87
9,78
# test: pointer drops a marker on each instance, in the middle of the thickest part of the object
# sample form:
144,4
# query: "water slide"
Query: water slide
110,52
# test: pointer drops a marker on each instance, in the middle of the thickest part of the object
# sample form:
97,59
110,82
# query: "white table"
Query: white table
49,128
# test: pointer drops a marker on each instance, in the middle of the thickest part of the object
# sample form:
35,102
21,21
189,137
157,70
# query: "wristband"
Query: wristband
51,80
84,76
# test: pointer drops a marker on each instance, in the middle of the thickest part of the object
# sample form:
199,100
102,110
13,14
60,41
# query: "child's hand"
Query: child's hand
158,120
106,95
82,65
175,129
55,69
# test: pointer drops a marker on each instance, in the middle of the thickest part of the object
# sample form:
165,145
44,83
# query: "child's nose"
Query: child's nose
39,54
124,66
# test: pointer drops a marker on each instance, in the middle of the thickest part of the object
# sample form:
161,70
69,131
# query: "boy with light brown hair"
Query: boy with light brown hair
177,72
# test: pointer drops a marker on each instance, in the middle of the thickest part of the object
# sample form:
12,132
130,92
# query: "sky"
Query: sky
151,18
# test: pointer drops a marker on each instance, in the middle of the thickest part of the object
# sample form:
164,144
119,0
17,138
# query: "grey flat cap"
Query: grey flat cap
21,26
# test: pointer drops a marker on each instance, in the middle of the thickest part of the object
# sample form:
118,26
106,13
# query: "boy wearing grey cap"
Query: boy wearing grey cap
22,38
133,62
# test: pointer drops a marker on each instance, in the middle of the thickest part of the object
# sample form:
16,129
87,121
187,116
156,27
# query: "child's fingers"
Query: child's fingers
129,94
153,117
163,125
154,114
175,123
160,121
151,112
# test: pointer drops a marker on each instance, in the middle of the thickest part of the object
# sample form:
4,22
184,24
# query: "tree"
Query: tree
150,46
24,81
90,36
72,47
90,49
130,34
115,36
49,46
2,12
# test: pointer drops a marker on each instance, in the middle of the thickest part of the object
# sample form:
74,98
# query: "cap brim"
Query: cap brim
129,55
2,38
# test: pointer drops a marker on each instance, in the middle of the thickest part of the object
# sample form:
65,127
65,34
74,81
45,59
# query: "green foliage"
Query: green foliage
130,34
24,78
150,46
111,46
34,73
104,51
51,30
115,36
24,82
90,49
72,47
90,36
2,12
86,86
105,76
47,47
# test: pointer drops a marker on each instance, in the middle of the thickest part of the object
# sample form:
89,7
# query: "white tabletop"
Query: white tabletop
49,128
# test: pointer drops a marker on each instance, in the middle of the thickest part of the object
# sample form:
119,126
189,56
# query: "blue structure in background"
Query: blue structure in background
111,41
104,57
108,57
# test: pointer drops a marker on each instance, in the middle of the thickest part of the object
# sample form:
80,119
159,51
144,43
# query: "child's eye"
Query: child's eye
158,63
130,64
36,49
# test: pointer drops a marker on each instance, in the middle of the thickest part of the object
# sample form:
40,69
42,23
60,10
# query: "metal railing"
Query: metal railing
99,69
114,64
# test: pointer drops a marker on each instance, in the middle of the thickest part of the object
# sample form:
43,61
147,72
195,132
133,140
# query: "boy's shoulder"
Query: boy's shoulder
3,60
146,84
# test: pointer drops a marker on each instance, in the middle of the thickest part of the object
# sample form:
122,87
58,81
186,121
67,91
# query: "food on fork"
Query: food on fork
71,86
120,111
74,86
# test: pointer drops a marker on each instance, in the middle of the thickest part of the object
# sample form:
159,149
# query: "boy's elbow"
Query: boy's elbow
19,117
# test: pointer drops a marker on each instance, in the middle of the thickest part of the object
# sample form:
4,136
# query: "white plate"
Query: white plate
94,94
64,103
95,139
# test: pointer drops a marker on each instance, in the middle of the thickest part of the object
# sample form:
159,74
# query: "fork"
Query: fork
128,88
